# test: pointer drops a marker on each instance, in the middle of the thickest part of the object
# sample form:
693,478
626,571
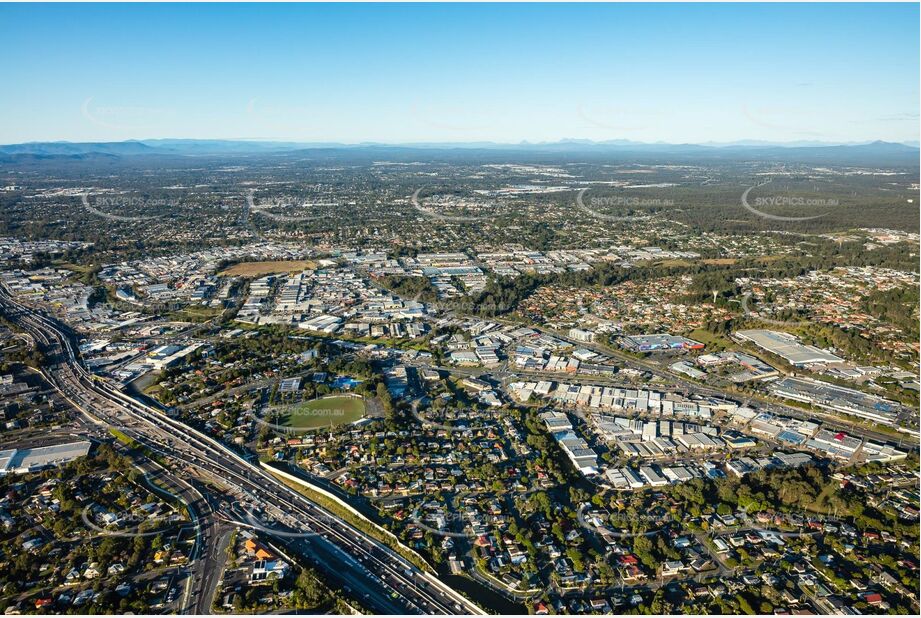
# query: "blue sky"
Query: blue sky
412,73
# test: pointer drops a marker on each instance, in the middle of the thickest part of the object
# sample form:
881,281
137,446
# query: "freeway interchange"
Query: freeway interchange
377,576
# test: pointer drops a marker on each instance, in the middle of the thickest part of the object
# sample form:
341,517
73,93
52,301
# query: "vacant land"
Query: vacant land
195,314
686,263
325,412
714,342
720,261
259,269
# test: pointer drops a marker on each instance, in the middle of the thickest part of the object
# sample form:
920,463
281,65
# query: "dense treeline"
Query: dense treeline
503,295
808,489
890,306
418,288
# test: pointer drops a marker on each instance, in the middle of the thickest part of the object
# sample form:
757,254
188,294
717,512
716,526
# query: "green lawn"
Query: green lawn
325,412
713,341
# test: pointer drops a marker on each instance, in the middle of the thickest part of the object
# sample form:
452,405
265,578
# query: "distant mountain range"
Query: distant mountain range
883,153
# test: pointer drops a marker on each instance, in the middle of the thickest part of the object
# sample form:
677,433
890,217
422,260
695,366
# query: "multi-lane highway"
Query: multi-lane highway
385,581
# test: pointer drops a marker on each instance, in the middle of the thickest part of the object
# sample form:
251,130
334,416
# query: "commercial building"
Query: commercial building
289,385
659,342
585,336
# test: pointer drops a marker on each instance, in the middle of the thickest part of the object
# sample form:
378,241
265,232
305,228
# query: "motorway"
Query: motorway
386,581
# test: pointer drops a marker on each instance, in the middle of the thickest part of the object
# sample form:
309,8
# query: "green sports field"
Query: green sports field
325,412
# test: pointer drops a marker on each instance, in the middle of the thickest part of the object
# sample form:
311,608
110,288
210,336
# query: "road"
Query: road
390,583
205,563
203,588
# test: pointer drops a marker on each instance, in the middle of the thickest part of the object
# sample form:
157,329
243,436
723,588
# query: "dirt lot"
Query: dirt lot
259,269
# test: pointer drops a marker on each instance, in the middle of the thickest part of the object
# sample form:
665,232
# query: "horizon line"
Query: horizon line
914,143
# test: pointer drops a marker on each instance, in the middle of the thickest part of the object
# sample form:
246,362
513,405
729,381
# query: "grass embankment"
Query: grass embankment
124,438
371,529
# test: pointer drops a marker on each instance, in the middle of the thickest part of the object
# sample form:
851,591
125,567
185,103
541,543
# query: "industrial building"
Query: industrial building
168,355
21,461
583,458
838,398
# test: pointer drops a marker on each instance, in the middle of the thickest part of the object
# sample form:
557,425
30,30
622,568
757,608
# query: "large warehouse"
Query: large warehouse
787,347
20,461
